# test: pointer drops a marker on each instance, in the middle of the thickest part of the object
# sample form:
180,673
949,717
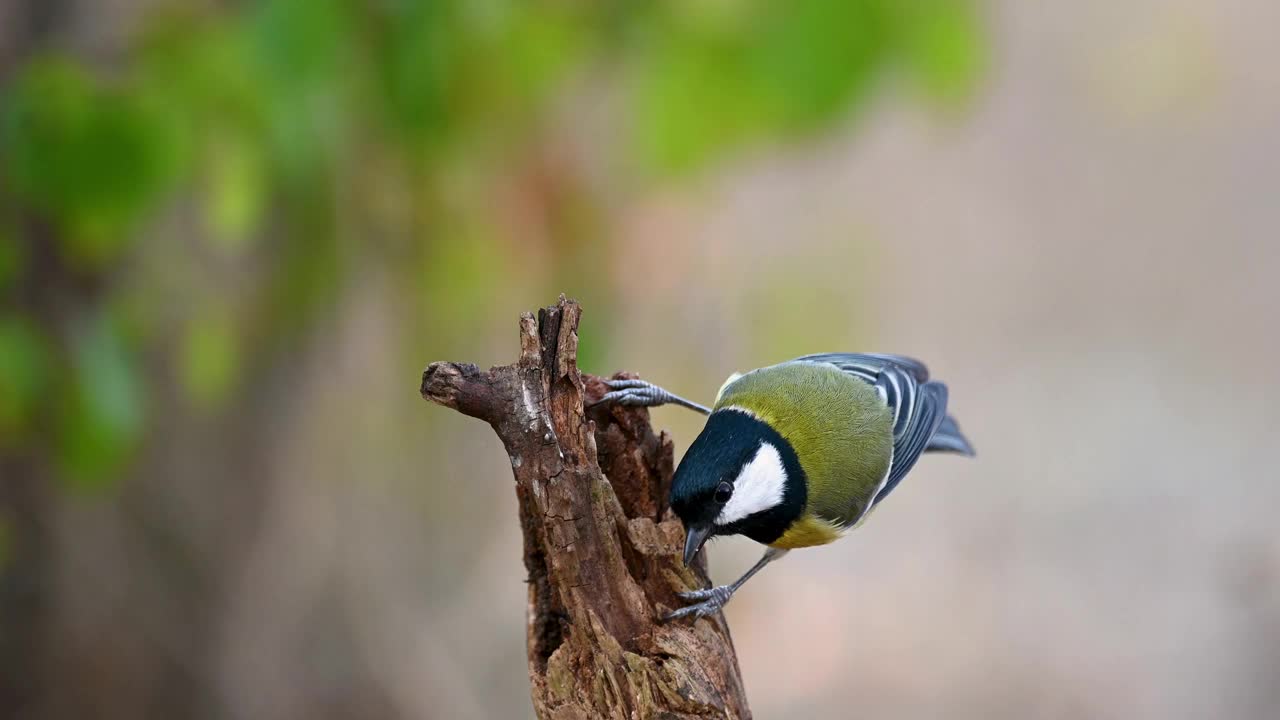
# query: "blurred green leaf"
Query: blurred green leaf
812,60
101,415
237,194
210,358
299,41
539,45
24,363
300,50
93,159
688,105
944,48
712,82
415,66
201,72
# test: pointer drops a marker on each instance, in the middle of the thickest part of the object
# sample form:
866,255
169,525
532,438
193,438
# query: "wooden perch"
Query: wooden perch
601,549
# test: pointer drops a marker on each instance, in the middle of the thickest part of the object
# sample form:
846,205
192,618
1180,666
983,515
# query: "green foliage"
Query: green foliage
236,192
24,363
92,157
210,358
101,410
311,137
943,49
711,82
417,57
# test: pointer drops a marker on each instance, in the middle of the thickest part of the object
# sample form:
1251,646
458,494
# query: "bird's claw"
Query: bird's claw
712,601
704,594
622,383
635,393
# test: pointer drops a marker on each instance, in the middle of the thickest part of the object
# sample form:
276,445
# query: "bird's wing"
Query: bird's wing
918,405
949,439
865,364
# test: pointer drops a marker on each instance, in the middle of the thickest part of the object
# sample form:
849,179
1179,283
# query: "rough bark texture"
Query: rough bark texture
601,549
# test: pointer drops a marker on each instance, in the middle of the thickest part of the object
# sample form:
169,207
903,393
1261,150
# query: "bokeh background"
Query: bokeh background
233,233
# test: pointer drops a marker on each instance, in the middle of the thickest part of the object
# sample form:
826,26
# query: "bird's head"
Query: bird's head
739,477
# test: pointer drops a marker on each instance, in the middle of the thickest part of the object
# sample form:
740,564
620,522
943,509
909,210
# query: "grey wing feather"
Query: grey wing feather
932,401
872,363
948,438
919,406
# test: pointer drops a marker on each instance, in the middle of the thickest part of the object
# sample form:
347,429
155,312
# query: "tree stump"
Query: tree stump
601,549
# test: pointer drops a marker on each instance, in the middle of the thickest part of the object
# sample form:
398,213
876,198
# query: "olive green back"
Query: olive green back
841,430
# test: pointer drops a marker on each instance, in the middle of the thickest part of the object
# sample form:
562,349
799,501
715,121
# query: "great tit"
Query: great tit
797,454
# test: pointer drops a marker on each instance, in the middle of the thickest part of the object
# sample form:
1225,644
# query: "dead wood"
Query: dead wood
601,549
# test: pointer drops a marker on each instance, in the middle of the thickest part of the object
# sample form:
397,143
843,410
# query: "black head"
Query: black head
739,477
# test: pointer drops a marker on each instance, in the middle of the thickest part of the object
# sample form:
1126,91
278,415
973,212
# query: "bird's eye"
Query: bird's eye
724,492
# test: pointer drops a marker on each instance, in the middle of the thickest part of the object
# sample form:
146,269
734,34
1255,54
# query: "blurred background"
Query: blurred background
233,233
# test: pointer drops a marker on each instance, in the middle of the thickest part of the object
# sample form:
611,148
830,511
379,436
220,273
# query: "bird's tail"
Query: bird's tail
948,438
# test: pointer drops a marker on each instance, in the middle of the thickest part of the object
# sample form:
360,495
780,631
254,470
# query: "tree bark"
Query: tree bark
601,548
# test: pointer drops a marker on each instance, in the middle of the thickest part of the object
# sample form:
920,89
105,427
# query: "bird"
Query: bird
798,454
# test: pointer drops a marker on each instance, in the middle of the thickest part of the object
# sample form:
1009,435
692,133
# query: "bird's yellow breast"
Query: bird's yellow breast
808,531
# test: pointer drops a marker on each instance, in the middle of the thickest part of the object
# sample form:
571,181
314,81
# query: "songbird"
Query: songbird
796,454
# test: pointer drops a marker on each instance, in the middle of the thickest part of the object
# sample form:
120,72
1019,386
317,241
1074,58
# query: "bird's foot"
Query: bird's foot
711,601
636,393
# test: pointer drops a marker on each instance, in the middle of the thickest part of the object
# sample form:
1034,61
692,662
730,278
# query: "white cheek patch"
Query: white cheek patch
759,486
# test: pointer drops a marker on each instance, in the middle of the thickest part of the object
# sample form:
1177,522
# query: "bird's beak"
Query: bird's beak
695,537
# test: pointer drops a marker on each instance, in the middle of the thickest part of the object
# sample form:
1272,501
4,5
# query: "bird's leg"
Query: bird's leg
713,599
644,394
